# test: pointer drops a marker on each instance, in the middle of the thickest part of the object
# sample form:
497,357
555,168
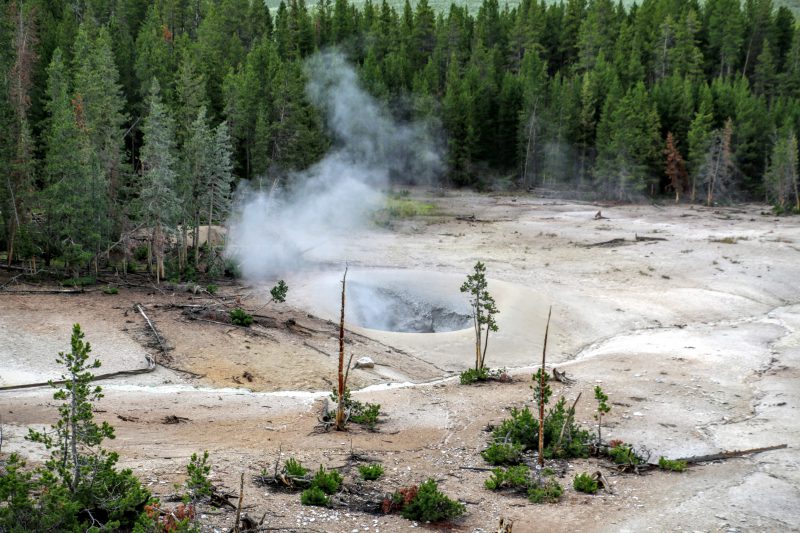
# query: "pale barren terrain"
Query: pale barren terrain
694,338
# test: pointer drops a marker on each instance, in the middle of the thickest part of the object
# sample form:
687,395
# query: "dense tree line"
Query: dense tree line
125,114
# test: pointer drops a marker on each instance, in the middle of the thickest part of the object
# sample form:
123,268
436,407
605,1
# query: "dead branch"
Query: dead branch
173,419
247,329
309,345
570,414
599,215
47,291
153,329
602,481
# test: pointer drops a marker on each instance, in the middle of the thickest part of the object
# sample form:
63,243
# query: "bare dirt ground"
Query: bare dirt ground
695,338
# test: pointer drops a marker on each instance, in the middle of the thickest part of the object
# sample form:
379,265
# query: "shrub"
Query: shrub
293,468
549,491
370,472
240,317
431,505
471,375
671,464
140,253
364,414
110,290
585,483
503,453
315,496
515,477
211,288
328,481
623,454
523,429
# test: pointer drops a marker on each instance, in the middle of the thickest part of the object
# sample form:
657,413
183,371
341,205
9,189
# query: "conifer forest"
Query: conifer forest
125,114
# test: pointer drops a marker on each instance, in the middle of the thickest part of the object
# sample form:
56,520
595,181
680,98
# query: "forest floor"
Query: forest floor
695,338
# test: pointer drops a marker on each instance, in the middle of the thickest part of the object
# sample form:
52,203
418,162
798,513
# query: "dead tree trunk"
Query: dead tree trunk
542,375
340,420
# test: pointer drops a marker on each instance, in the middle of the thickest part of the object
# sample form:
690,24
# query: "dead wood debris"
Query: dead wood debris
562,377
128,418
173,419
622,242
602,481
730,454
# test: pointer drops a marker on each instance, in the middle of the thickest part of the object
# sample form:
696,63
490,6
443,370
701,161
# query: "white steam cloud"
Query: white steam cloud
271,234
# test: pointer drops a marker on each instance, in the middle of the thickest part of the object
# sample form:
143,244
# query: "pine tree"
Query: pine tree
700,138
780,180
96,84
160,208
76,197
627,144
197,155
218,189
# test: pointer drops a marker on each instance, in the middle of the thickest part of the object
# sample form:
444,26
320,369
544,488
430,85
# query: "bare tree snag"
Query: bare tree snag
541,389
239,507
340,419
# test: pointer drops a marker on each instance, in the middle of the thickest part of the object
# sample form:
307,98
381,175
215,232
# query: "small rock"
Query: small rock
365,362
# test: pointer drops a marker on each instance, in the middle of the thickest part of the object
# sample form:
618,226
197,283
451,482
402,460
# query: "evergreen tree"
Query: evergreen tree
197,155
96,85
700,138
628,142
75,189
160,208
780,180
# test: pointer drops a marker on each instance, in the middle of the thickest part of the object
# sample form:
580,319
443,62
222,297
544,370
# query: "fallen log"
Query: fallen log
153,329
608,244
641,238
729,454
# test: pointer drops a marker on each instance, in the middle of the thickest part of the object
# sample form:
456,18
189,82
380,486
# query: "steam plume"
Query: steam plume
271,234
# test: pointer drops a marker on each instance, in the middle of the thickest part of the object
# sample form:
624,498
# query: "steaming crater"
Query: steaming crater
401,310
398,301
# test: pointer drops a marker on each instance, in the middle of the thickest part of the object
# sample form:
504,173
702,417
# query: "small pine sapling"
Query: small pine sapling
370,472
602,409
483,311
583,482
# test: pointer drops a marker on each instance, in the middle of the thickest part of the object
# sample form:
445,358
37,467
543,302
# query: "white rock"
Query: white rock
365,362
